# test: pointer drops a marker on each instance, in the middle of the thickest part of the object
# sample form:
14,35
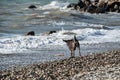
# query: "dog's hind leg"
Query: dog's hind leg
72,54
79,50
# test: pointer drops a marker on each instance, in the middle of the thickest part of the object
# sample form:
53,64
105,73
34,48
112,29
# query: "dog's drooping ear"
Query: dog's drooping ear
65,40
31,33
68,40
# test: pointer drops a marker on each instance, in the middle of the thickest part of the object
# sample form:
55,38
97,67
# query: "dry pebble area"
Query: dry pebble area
102,66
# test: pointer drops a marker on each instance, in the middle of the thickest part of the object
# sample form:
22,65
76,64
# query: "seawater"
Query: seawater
95,32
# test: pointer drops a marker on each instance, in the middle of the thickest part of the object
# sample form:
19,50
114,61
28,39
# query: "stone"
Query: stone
31,33
32,7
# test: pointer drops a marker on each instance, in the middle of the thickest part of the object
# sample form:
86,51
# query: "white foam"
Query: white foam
82,24
18,44
54,5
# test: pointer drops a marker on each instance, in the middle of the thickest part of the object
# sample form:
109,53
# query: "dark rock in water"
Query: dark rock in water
103,27
113,6
81,4
91,9
31,33
100,10
71,5
77,6
118,11
96,0
95,9
32,7
96,6
69,33
51,32
87,2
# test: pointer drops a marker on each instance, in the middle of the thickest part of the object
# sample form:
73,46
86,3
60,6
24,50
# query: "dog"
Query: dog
72,45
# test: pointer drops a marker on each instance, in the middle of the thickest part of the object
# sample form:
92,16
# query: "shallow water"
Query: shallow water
95,32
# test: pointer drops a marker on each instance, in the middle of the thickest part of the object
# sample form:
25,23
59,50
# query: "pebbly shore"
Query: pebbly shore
97,66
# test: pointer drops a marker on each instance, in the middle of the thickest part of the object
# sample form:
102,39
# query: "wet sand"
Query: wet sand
100,66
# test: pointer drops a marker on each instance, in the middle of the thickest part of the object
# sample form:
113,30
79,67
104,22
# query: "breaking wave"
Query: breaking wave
85,36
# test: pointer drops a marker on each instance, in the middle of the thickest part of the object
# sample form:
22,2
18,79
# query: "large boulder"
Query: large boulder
31,33
32,7
91,9
97,6
49,32
71,5
113,6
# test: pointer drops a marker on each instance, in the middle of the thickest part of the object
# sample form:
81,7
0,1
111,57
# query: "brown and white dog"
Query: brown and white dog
72,45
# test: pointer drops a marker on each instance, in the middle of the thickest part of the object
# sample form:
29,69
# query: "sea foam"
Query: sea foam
54,5
18,44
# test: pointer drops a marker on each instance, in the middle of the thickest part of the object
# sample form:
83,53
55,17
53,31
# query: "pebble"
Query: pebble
102,66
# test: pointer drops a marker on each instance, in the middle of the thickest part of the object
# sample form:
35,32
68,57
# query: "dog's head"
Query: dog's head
67,41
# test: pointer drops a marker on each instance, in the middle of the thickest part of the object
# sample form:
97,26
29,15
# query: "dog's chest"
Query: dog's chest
71,44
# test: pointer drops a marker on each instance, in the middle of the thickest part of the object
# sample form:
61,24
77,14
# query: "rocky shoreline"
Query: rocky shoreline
96,6
102,66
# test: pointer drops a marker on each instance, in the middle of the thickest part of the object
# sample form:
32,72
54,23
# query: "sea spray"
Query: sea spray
87,35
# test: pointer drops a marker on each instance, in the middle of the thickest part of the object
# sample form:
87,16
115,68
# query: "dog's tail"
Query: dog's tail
75,37
77,44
